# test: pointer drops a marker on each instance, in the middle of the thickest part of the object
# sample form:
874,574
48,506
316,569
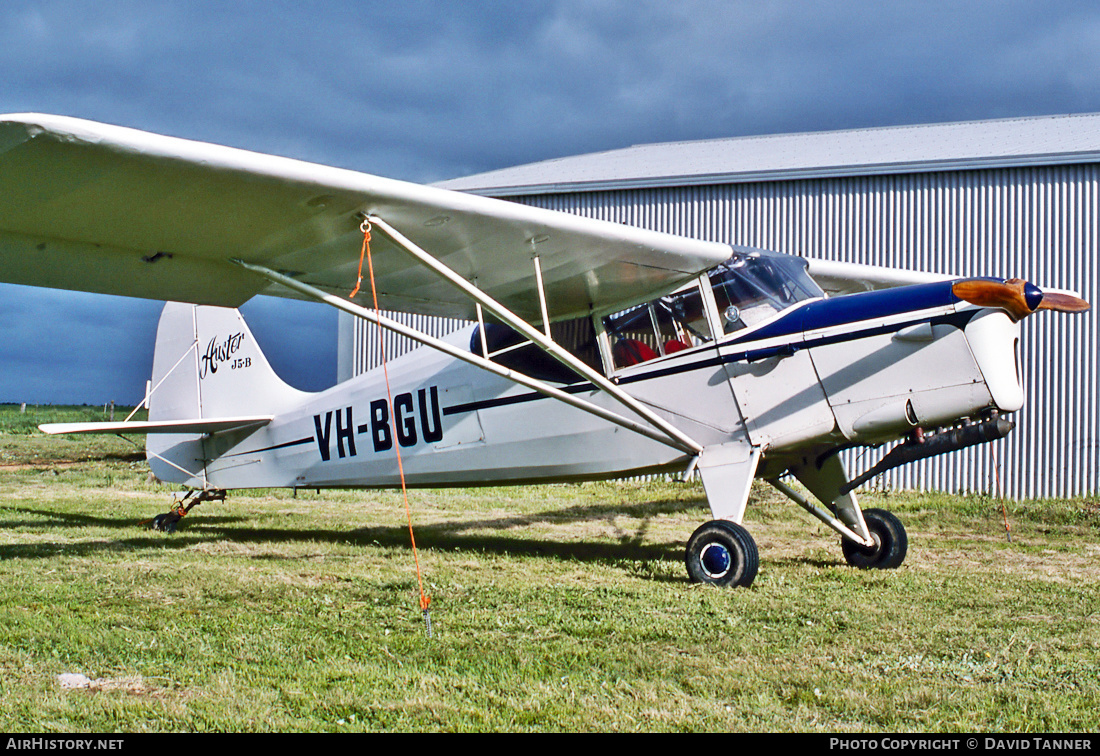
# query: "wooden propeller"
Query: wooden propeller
1017,296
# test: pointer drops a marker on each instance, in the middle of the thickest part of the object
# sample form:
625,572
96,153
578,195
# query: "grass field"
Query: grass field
553,608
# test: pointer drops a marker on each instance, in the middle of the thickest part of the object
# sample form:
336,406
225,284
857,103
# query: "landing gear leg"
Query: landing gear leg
168,521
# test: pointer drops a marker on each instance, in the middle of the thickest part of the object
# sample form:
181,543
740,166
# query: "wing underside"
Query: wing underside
107,209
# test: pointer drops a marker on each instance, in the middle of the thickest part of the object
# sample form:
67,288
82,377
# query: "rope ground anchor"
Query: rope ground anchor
425,600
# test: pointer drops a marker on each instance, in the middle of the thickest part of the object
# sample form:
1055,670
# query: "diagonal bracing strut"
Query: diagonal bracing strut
461,354
677,438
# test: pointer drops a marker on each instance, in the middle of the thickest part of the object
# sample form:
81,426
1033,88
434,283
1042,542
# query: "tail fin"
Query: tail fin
207,364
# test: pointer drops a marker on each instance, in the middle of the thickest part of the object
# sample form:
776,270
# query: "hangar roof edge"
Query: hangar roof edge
967,145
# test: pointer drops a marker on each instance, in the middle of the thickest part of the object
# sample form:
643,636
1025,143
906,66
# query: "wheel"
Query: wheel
890,547
722,553
166,522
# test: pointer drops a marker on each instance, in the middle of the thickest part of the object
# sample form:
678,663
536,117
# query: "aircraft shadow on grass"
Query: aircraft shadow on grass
462,536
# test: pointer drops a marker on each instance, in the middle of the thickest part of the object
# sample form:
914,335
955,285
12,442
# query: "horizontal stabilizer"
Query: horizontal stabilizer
207,425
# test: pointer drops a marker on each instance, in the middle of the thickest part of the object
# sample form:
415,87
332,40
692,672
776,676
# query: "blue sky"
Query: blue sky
425,91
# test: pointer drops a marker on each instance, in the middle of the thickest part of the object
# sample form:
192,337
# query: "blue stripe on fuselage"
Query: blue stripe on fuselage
854,308
877,304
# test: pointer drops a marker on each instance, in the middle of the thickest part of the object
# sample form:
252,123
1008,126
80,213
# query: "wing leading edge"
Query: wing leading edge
92,207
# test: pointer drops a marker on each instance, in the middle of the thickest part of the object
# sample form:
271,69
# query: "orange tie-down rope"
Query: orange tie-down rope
425,600
365,228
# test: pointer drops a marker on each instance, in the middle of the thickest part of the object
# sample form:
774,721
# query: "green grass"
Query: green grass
22,443
553,608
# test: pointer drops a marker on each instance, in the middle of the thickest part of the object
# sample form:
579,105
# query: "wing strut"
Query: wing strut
680,440
464,355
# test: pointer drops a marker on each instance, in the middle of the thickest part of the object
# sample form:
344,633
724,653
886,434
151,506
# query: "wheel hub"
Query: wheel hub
716,560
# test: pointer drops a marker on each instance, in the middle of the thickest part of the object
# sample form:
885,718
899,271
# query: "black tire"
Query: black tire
891,543
722,553
167,522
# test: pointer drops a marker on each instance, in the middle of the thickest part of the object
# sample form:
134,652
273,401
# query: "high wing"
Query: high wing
107,209
838,278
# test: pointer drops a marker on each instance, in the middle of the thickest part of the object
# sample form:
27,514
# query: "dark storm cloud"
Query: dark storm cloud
431,90
425,91
73,347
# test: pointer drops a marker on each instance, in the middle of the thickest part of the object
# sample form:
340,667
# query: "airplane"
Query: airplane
595,350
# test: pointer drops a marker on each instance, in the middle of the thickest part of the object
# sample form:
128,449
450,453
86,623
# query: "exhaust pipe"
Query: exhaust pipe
921,446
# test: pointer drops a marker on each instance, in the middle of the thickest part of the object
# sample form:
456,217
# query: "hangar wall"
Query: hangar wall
1039,223
359,347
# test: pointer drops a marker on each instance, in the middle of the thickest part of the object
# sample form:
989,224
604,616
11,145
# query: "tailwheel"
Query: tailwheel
169,521
891,543
722,553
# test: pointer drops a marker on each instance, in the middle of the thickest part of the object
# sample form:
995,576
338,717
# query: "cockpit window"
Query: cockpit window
658,328
752,286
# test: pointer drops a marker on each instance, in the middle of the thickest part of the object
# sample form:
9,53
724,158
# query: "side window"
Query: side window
741,301
578,336
655,329
512,350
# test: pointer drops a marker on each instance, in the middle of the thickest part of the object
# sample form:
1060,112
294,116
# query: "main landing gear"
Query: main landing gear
168,521
891,543
723,553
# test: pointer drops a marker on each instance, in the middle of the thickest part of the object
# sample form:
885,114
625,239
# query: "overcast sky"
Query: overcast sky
425,91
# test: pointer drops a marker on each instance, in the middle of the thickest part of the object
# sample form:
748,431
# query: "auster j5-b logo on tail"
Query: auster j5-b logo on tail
405,427
218,353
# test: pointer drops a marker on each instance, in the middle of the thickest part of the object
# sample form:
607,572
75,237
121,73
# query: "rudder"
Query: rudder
206,365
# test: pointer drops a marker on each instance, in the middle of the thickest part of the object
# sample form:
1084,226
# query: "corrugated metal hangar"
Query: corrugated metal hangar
1010,198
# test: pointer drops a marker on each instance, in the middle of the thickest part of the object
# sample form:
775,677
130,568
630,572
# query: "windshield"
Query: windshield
753,285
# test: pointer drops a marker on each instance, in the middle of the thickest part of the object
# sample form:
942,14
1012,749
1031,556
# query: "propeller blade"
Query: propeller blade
1062,302
1017,296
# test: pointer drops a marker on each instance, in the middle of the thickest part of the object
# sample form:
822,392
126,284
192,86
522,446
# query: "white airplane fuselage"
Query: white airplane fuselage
860,369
